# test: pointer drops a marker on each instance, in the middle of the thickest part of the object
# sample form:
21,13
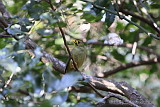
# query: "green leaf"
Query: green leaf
2,81
34,9
154,69
2,43
93,57
91,18
62,24
45,103
11,103
24,21
45,31
49,17
19,45
103,3
68,80
59,41
118,56
59,98
8,63
147,41
50,80
16,84
156,6
14,31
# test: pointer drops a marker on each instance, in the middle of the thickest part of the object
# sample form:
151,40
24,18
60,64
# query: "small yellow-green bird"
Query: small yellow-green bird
79,55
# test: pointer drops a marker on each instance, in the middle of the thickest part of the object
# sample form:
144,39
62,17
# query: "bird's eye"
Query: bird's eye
79,42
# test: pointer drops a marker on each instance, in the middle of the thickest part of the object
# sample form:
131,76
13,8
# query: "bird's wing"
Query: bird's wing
67,64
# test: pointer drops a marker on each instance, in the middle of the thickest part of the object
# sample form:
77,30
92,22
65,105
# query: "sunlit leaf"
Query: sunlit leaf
59,41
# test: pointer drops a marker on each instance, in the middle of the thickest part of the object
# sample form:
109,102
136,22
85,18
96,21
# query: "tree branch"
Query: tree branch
57,64
5,36
3,10
121,87
130,65
9,80
109,95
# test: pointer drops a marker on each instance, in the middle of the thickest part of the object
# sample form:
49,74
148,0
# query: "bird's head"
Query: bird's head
78,42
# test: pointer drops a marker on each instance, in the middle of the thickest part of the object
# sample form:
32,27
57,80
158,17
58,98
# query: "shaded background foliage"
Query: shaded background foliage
42,84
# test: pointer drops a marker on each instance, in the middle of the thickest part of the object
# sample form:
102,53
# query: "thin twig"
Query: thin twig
136,6
64,39
23,92
95,90
5,36
151,20
65,43
117,9
8,81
